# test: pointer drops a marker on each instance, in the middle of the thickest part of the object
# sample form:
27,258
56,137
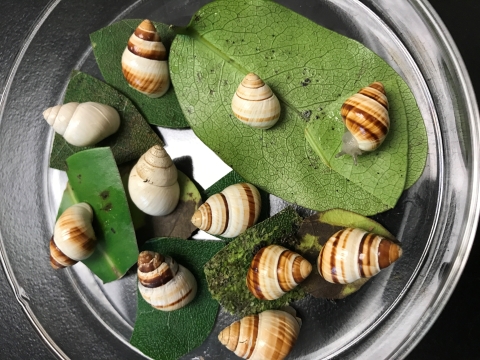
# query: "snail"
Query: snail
153,184
255,104
83,124
366,118
73,237
163,283
275,271
144,61
230,212
269,335
351,254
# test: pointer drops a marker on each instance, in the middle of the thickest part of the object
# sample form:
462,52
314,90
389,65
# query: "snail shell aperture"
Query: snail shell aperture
144,61
366,118
163,283
255,104
275,271
83,124
351,254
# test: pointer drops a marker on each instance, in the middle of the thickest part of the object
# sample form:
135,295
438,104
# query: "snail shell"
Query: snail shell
269,335
366,117
163,283
83,124
255,104
144,61
275,271
153,184
73,238
230,212
351,254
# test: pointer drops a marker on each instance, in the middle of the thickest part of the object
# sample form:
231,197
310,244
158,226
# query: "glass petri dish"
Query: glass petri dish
79,317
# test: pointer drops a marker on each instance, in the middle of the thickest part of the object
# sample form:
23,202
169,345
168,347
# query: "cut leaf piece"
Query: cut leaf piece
169,335
108,46
132,139
94,178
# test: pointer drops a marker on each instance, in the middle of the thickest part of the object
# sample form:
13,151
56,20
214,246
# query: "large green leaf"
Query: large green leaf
308,67
169,335
108,45
132,139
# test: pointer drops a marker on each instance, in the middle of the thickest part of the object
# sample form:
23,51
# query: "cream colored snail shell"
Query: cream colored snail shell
163,283
269,335
351,254
153,185
144,61
255,104
230,212
365,115
73,238
274,271
83,124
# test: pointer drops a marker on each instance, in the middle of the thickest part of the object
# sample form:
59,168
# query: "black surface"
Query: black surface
454,335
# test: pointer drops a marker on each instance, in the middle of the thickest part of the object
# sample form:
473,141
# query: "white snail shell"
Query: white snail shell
255,104
351,254
153,185
144,61
230,212
274,271
269,335
73,238
366,117
163,283
83,124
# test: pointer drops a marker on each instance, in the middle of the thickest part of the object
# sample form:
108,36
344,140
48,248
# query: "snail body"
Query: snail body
274,271
268,335
152,183
163,283
83,124
255,104
73,237
230,212
351,254
144,61
366,118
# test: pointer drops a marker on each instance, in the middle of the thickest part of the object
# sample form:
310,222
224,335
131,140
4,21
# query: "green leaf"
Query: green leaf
132,139
169,335
108,46
308,67
94,178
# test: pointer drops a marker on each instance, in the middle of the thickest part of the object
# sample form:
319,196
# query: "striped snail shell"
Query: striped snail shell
255,104
351,254
230,212
269,335
366,118
144,61
73,237
83,124
153,185
163,283
274,271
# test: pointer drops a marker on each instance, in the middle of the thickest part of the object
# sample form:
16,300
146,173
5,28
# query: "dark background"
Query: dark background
454,335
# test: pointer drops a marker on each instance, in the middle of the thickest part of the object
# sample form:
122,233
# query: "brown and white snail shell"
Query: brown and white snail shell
366,118
73,238
255,104
269,335
274,271
230,212
351,254
144,61
83,124
163,283
153,185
